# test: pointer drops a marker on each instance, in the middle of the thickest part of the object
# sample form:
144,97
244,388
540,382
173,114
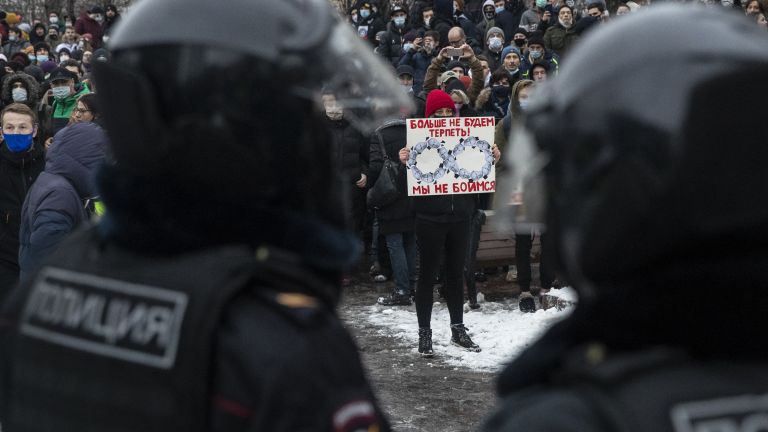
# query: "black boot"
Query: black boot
461,338
425,342
526,303
395,299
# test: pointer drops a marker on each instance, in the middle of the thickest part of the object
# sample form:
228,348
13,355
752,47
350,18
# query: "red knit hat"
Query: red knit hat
437,99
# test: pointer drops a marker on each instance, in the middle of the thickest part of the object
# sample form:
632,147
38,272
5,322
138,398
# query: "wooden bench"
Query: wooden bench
497,248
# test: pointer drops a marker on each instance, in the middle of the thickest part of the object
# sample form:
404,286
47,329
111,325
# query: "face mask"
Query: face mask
19,94
500,92
570,3
407,47
407,88
490,15
365,13
12,38
399,21
41,58
495,43
18,142
458,106
31,57
334,113
566,24
427,21
54,37
500,9
541,3
63,58
98,18
520,42
60,92
53,20
535,54
523,104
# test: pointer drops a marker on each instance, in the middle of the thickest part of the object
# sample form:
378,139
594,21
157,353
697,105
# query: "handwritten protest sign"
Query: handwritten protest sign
450,155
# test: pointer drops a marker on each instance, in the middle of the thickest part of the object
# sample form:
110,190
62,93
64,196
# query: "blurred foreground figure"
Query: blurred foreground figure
651,169
205,298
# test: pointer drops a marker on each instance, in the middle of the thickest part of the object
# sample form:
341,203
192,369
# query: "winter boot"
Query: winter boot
461,338
395,299
425,342
527,303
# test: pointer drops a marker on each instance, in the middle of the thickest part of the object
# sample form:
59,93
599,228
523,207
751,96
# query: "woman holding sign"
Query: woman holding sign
442,231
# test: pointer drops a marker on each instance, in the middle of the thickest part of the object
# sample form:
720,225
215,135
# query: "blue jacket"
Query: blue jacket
54,205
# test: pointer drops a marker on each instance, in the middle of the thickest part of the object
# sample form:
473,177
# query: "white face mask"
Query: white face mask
53,20
19,94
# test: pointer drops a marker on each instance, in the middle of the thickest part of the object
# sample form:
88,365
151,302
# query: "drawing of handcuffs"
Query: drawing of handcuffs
449,162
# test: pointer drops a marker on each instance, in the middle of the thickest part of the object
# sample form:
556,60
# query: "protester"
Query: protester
66,90
90,22
396,219
442,232
54,207
22,88
21,161
87,110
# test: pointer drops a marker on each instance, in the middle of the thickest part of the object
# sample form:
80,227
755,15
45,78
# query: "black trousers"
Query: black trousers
523,245
437,240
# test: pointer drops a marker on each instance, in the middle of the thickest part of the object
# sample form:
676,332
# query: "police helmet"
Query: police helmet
647,147
225,100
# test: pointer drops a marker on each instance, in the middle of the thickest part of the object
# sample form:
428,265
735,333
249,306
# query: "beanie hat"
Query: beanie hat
455,64
536,40
494,30
438,99
509,49
489,3
48,66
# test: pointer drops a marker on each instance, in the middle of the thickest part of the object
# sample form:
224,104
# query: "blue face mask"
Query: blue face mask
523,104
41,58
399,21
18,143
499,9
535,54
365,13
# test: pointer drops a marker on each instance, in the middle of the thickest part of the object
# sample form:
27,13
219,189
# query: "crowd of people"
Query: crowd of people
473,58
205,297
45,71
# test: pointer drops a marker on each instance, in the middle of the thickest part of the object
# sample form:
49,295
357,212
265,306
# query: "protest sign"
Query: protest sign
450,155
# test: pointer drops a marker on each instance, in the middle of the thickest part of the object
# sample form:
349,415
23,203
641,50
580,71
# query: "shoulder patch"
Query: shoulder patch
356,416
107,317
746,413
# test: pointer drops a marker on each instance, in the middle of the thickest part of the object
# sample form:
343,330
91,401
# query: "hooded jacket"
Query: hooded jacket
33,101
54,205
86,24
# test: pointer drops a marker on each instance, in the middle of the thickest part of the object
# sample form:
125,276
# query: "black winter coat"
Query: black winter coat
350,150
398,216
17,173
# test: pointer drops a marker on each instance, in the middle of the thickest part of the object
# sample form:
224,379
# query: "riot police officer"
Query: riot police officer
205,298
650,151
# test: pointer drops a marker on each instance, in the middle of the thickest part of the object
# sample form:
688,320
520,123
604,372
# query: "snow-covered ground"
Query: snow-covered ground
501,330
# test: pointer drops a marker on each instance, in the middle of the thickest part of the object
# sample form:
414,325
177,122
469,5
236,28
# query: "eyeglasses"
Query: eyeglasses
81,111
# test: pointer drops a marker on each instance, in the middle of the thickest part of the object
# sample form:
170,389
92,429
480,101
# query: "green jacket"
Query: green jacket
559,39
62,109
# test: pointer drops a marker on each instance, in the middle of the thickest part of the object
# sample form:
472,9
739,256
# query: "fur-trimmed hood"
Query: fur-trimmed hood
30,83
482,98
